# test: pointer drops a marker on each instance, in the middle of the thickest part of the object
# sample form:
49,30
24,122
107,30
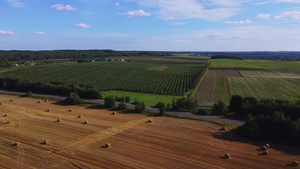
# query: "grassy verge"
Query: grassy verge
231,125
148,99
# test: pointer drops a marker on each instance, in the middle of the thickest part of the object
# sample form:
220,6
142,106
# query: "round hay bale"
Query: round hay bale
39,102
149,121
58,120
114,113
4,115
0,103
265,152
16,144
45,142
8,122
264,147
46,100
107,145
11,100
80,116
85,122
70,110
227,156
295,163
267,145
48,110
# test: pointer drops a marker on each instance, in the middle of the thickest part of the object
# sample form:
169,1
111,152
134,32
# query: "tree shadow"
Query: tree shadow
232,136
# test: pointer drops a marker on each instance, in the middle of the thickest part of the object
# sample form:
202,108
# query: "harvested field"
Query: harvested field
214,87
269,74
165,143
285,71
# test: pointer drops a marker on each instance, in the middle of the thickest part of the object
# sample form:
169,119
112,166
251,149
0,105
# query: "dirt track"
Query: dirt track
164,143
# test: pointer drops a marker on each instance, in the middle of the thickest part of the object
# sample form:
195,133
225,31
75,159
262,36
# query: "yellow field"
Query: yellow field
164,143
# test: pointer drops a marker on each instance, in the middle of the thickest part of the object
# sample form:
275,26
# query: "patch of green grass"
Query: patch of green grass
149,99
255,64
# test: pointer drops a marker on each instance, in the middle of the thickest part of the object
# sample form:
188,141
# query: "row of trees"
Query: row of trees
227,57
22,85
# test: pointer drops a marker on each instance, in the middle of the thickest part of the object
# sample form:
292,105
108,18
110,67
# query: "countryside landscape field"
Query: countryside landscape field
42,142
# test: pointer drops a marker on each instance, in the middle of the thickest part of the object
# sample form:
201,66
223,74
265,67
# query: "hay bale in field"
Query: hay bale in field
267,145
38,101
48,110
80,116
8,122
45,142
149,121
107,145
114,113
224,128
4,115
265,153
295,163
11,100
227,156
46,100
264,148
0,103
16,144
58,120
70,110
85,122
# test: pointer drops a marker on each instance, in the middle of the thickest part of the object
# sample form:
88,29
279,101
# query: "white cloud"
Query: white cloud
237,22
117,4
263,16
2,32
135,13
15,3
193,9
182,41
61,7
180,23
295,15
39,33
82,25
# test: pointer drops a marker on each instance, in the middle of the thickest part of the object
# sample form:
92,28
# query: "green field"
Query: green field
149,99
255,64
260,88
169,78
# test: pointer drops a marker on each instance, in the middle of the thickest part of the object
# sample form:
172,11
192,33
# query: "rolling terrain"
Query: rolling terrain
134,143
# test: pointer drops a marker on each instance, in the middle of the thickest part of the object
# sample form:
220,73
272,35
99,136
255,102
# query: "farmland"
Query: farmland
164,143
159,77
214,87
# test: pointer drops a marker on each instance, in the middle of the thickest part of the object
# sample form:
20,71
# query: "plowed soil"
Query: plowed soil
164,143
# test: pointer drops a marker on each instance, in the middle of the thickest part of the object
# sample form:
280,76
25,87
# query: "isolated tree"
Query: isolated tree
73,99
109,102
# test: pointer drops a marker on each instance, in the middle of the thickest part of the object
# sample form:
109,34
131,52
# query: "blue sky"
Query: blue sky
160,25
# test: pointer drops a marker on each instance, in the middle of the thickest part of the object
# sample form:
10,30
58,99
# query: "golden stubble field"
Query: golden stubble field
164,143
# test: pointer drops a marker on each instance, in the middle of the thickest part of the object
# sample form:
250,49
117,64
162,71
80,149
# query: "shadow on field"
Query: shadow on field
233,137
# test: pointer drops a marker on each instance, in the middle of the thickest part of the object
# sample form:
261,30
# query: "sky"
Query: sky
150,25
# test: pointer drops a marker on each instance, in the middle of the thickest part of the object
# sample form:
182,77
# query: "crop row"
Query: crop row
177,79
271,88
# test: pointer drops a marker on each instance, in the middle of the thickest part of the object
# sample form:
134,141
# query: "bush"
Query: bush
127,99
109,102
139,107
28,94
122,106
219,108
160,105
73,99
162,111
201,111
186,104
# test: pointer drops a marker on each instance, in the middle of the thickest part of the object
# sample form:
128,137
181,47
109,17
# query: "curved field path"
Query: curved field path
164,143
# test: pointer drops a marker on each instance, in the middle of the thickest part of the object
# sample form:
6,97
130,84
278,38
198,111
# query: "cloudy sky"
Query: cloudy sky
161,25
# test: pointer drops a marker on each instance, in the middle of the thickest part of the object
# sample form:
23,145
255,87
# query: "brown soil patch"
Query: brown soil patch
166,143
285,71
158,68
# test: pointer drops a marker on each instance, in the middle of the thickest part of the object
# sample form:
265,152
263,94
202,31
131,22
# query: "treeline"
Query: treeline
267,119
227,57
22,85
18,55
